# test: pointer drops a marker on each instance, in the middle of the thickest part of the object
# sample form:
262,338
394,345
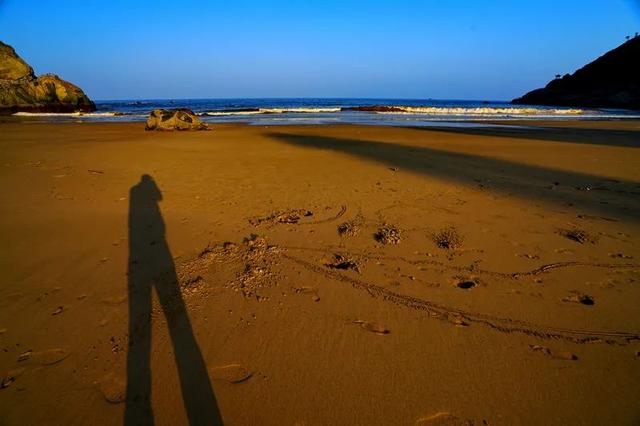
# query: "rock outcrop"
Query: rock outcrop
611,81
174,119
21,90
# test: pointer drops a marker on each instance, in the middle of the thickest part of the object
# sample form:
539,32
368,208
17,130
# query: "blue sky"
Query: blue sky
444,49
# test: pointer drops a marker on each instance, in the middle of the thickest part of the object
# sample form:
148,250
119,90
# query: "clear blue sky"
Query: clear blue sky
446,49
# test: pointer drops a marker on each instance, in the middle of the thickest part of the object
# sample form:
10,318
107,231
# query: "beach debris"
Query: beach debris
388,234
563,355
583,299
578,235
373,327
174,119
341,261
620,255
448,238
290,216
25,355
232,373
457,320
192,281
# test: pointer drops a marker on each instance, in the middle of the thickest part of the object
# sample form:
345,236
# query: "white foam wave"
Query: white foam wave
274,111
483,111
66,114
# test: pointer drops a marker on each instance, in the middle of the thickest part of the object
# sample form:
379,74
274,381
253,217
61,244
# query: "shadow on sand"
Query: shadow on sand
151,266
605,137
590,193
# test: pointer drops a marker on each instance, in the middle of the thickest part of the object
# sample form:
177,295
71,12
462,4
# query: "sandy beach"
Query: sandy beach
309,275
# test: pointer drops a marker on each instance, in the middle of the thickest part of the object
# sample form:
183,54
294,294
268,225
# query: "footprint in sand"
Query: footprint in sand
448,419
583,299
114,389
373,327
564,355
114,301
313,292
466,284
50,356
8,378
232,373
59,310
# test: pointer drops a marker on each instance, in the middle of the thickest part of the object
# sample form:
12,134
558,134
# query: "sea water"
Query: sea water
406,112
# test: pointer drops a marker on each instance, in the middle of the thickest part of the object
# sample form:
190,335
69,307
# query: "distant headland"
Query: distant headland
611,81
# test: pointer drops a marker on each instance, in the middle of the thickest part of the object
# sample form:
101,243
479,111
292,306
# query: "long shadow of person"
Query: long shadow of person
151,265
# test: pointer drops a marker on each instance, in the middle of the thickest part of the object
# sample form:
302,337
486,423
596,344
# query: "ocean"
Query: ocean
396,112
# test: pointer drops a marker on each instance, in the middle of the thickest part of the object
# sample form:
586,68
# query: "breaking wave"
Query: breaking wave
69,114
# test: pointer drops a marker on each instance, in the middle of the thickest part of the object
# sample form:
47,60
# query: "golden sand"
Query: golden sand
320,275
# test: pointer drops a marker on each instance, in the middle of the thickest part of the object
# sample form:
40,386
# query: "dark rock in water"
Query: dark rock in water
611,81
21,90
174,119
374,108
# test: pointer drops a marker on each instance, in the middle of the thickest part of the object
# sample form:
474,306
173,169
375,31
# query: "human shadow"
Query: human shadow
591,194
151,266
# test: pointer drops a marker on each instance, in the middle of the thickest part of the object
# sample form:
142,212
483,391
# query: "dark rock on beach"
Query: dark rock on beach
611,81
174,119
21,90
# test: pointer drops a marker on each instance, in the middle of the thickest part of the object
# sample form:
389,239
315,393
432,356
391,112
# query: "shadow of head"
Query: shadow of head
146,190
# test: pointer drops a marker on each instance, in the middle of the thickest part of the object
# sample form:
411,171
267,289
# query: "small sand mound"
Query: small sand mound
350,228
388,234
448,238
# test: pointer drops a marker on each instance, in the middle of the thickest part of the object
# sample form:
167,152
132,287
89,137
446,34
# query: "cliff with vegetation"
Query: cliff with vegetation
21,90
611,81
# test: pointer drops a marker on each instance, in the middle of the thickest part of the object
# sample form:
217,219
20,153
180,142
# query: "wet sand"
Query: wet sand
320,275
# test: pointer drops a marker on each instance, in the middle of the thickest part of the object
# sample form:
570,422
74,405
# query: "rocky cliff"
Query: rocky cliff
21,90
611,81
